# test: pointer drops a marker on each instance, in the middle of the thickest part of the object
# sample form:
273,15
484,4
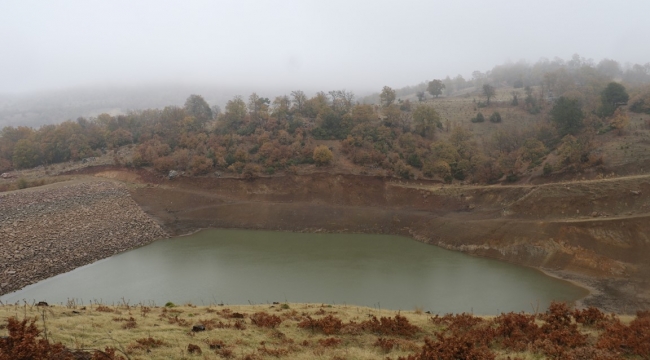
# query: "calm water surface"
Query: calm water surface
240,267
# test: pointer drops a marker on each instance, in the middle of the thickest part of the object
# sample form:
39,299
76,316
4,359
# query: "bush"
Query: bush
403,170
495,117
633,339
388,326
200,165
548,169
479,118
322,155
328,325
263,319
23,342
250,171
451,348
5,165
438,168
22,183
414,160
164,164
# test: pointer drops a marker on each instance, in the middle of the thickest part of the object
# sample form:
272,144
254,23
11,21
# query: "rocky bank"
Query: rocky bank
54,229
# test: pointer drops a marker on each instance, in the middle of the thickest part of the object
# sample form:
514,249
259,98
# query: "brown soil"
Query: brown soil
593,232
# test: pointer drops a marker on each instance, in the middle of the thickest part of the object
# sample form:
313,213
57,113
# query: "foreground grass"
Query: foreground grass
312,331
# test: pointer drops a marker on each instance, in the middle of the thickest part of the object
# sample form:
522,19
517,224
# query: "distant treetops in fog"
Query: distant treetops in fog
564,104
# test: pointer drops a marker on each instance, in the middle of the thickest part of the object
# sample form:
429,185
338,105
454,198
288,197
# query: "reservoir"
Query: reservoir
242,267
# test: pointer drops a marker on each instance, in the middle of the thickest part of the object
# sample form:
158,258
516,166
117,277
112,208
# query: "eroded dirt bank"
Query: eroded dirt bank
593,234
54,229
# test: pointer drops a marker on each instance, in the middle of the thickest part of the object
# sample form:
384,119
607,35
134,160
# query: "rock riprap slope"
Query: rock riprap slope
54,229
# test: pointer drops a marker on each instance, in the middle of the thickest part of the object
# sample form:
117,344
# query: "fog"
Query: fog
245,46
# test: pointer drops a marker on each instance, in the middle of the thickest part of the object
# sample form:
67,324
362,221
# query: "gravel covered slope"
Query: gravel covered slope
54,229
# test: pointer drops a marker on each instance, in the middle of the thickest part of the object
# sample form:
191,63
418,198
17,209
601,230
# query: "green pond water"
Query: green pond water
241,267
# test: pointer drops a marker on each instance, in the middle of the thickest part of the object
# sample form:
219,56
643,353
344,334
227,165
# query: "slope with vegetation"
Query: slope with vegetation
308,331
566,110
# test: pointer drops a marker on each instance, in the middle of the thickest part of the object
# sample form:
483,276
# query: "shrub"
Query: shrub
439,168
590,316
479,118
329,342
200,165
516,331
495,117
22,183
263,319
388,326
164,164
451,348
147,344
23,343
548,169
633,339
385,344
403,170
250,171
194,349
322,155
328,325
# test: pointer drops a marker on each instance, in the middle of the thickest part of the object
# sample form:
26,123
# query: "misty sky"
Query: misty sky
354,45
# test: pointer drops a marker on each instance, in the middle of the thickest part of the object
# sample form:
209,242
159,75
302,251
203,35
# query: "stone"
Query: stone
198,327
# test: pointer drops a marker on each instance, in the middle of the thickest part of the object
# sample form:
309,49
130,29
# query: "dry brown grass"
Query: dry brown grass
164,333
170,333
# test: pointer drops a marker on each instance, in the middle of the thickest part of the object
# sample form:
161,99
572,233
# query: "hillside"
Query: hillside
552,175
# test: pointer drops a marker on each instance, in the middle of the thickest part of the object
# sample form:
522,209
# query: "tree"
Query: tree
495,117
26,154
426,119
610,68
387,96
421,96
435,87
196,106
489,91
322,155
611,98
235,113
620,120
342,101
515,100
567,115
298,99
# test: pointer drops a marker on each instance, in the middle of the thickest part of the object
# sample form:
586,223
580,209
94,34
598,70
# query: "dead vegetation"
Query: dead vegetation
306,331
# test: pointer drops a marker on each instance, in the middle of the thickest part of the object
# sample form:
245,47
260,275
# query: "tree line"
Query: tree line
259,135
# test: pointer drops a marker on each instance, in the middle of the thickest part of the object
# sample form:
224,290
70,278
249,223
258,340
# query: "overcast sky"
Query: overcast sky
354,45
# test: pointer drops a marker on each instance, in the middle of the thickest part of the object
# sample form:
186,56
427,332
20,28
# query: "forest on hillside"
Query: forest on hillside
403,134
